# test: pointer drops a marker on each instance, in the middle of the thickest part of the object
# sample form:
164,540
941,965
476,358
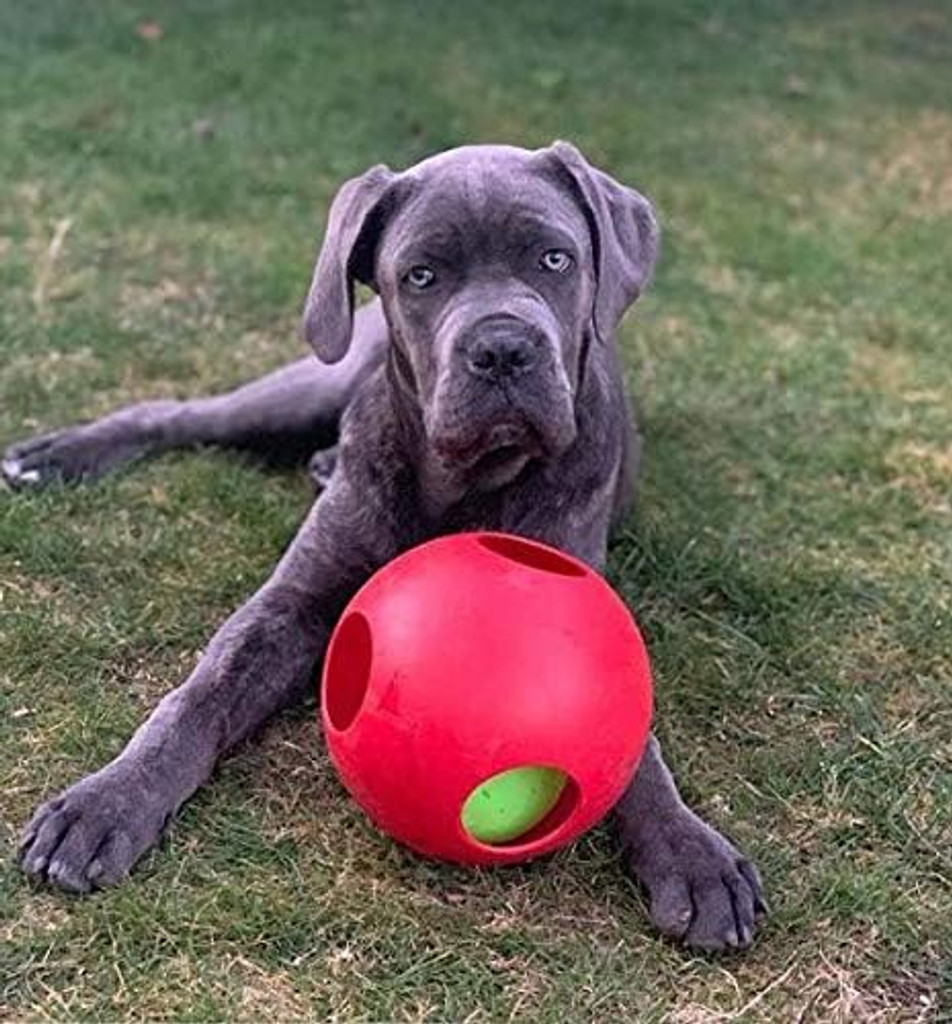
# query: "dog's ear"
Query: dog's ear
347,255
624,233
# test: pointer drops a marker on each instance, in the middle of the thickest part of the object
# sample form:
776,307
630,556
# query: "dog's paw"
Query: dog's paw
702,890
91,834
69,456
322,466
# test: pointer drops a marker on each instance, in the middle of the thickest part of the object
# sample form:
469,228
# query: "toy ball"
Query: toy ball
486,698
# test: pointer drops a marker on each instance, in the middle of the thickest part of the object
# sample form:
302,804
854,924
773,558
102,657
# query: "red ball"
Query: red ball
471,655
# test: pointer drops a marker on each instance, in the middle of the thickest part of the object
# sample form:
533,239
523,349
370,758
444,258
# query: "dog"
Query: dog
480,389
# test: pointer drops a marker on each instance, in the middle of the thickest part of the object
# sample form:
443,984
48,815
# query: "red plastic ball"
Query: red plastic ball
471,655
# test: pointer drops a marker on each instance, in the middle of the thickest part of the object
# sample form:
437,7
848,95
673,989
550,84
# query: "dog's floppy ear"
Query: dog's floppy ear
346,256
624,233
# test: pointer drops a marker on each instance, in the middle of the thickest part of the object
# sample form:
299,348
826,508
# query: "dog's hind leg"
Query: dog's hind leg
284,417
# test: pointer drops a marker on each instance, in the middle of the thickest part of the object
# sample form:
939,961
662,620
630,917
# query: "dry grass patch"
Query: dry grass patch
50,232
925,472
838,986
918,163
40,916
263,994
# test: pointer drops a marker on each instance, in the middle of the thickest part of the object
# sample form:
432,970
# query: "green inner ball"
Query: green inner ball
509,804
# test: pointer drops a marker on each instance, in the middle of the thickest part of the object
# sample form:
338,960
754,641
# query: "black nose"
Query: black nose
496,355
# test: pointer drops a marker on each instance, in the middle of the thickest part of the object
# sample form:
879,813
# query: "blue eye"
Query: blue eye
419,277
557,261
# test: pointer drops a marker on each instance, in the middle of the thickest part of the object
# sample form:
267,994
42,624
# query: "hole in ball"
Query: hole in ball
348,670
519,806
536,556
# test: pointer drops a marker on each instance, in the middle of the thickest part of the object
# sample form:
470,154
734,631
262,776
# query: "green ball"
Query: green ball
509,804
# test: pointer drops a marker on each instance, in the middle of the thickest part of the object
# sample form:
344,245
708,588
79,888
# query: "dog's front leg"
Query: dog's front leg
702,889
263,658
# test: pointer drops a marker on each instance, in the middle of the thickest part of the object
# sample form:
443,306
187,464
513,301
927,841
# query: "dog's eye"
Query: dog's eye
419,277
556,260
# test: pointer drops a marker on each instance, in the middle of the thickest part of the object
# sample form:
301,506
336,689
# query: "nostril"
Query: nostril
519,358
483,359
515,356
501,357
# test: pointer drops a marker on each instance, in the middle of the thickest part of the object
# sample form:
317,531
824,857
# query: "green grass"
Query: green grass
791,560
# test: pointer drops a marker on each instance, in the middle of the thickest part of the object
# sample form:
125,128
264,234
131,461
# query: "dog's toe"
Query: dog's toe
10,470
17,475
703,891
71,455
37,460
322,466
92,834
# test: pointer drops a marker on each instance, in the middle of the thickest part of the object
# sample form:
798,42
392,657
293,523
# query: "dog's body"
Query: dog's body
481,390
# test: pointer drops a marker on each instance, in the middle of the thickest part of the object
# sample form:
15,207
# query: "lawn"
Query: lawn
165,171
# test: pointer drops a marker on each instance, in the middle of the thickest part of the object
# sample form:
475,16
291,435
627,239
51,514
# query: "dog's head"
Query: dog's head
498,269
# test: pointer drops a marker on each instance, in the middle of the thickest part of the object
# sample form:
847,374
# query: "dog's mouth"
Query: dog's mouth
492,449
488,435
499,460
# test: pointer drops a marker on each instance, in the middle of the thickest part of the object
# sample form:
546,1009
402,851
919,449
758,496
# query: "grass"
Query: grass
791,561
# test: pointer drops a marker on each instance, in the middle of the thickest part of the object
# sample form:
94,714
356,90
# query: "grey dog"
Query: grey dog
481,389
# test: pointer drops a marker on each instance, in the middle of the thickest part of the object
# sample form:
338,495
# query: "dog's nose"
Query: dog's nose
497,355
